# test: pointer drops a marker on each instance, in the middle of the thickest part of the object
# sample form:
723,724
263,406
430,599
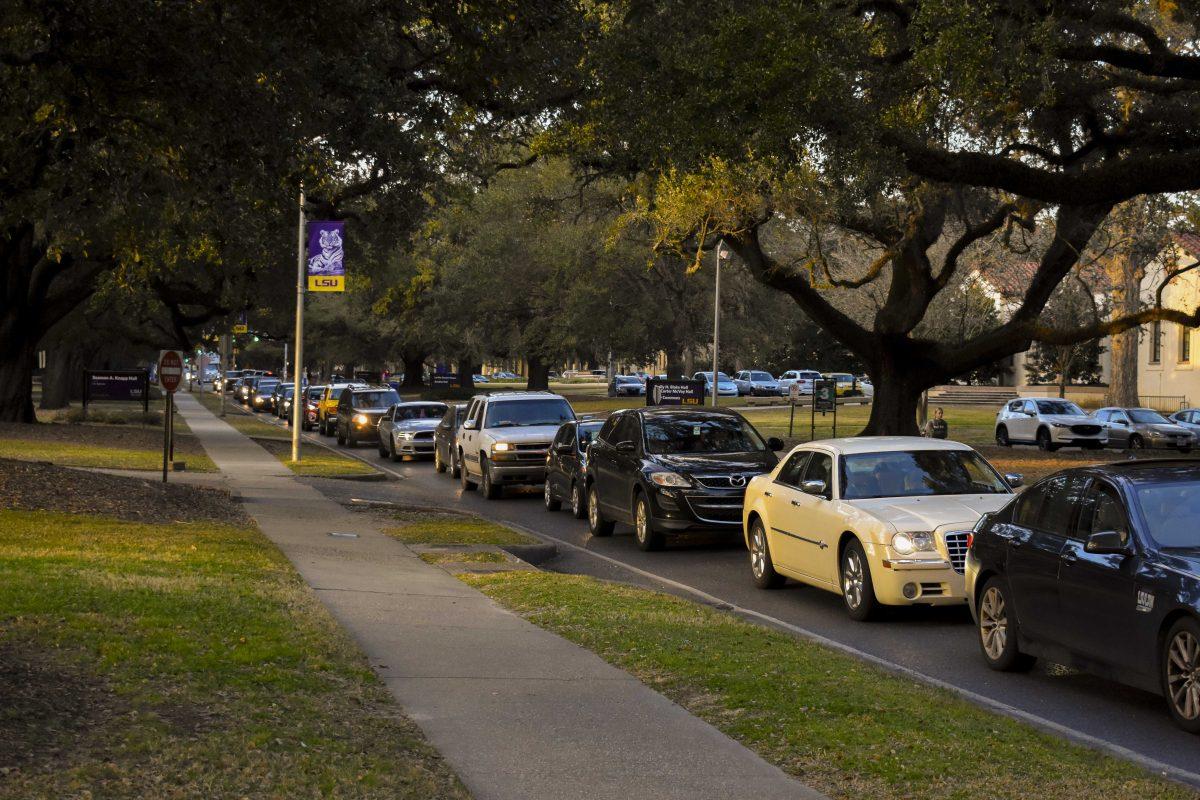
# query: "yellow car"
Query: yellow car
327,407
880,520
846,383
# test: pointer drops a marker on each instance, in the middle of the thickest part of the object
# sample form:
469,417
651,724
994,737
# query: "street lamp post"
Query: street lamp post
721,254
298,356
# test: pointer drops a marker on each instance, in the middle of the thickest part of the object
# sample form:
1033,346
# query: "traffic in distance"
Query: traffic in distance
1097,567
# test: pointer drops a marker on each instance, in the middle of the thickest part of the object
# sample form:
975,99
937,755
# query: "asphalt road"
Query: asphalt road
936,644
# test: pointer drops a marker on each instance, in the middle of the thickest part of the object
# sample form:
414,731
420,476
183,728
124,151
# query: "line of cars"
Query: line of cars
1053,423
752,383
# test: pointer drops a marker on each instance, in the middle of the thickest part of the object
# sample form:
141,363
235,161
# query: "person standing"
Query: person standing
936,427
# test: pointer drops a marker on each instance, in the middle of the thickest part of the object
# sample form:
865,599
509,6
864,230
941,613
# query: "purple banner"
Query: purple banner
326,264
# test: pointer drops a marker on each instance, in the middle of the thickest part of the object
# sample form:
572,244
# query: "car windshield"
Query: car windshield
521,413
626,379
588,430
379,399
1147,417
1059,407
1170,511
265,386
761,376
914,473
423,411
701,433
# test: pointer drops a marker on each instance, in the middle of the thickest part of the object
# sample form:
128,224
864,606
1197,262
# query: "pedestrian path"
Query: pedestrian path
518,712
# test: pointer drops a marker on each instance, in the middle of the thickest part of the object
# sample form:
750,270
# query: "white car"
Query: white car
1049,423
803,377
880,520
504,438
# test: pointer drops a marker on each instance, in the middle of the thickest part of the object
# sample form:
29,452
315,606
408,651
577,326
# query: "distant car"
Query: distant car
504,375
803,377
504,439
275,399
445,437
1136,428
283,404
880,520
756,383
407,429
1188,418
1050,424
359,410
626,386
725,387
846,385
667,470
480,379
226,384
244,387
1098,569
312,401
260,395
566,466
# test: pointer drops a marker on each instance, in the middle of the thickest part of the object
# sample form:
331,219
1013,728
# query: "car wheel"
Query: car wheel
439,466
858,593
597,524
1043,441
392,451
1181,673
643,526
1002,436
761,566
998,630
490,490
1136,442
552,502
578,504
468,485
455,465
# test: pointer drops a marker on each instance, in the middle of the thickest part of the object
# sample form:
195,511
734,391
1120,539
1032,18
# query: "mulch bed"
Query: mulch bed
118,436
38,486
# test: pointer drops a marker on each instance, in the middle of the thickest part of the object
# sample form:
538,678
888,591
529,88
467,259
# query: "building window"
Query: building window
1155,342
1185,344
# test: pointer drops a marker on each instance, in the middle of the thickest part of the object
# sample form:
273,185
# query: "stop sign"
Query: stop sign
170,370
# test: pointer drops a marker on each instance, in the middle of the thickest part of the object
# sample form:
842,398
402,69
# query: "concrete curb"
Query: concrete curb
535,554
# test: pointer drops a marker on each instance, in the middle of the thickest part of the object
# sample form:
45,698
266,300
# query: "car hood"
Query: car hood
1170,430
417,424
1072,419
532,434
927,513
717,463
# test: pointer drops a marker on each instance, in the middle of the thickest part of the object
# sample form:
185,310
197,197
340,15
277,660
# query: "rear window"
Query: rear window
520,413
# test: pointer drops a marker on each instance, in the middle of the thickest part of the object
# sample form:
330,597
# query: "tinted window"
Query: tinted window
820,468
701,433
793,468
586,431
912,473
1059,502
423,411
761,376
517,413
1015,405
627,430
1147,417
1101,510
606,431
1171,511
1028,506
1030,407
1058,407
1102,416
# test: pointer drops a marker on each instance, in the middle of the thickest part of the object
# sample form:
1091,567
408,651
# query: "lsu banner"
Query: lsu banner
326,268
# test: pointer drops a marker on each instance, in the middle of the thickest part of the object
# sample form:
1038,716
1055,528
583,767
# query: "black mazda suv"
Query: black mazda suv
674,469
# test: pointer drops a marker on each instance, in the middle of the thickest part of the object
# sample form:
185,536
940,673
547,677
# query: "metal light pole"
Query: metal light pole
225,367
298,358
721,253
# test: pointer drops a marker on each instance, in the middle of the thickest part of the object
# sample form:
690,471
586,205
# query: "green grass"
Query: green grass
185,661
467,557
846,728
81,454
317,462
454,529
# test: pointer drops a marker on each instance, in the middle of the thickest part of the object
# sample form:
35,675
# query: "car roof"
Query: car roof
534,394
419,403
1144,469
887,444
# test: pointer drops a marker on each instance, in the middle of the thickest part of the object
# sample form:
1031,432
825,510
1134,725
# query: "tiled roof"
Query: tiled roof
1011,280
1189,241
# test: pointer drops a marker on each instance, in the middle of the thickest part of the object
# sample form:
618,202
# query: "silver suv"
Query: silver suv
504,438
1050,424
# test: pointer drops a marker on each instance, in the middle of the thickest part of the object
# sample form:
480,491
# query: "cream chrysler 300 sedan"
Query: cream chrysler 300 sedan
879,520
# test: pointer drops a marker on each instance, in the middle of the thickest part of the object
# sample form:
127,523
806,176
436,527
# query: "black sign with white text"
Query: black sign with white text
661,392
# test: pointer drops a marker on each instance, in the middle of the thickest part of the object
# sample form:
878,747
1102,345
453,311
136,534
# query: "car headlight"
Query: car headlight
361,419
1060,425
906,542
669,479
502,447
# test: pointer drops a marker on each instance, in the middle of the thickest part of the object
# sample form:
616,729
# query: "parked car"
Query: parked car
275,399
1136,428
666,470
327,408
407,429
566,466
1050,424
312,404
228,382
260,395
505,375
1097,568
445,439
725,387
1188,418
480,379
244,387
756,382
359,410
504,439
626,386
803,377
882,521
283,404
846,385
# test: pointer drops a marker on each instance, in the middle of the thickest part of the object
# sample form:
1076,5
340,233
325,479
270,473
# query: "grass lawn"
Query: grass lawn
464,558
185,661
427,528
111,447
846,728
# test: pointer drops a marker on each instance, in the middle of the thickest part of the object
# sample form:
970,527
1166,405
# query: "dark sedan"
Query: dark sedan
668,470
444,437
566,466
1097,568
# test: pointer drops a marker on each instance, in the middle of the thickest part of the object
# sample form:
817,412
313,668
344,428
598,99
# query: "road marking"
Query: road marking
1154,765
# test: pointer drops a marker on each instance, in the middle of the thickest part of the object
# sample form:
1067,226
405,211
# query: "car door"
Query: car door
468,435
600,459
784,539
1097,591
1035,541
557,457
814,522
1023,424
626,459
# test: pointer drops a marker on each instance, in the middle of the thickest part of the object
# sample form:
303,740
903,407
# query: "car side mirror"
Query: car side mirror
469,425
1014,479
626,447
814,487
1102,542
775,444
564,449
1119,422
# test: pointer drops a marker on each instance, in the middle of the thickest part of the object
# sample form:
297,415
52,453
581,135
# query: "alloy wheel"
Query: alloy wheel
576,500
758,551
852,579
642,523
593,511
1183,674
993,623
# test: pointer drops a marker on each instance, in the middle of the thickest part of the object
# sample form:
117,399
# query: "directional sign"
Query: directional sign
170,369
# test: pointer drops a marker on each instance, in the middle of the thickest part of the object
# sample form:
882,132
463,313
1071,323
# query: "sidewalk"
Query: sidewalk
518,713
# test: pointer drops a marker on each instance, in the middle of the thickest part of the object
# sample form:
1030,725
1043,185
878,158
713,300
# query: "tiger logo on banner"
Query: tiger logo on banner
326,264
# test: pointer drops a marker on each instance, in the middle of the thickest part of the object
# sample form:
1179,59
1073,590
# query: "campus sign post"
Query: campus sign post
170,373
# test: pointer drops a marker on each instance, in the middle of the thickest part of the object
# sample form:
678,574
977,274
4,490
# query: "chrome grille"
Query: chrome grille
1085,430
956,550
427,435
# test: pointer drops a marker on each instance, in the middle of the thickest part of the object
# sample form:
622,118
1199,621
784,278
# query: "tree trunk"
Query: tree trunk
1125,274
16,378
899,384
414,368
466,373
62,381
539,373
674,362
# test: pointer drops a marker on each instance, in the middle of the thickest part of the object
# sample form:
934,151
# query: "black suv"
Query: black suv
359,410
566,466
668,470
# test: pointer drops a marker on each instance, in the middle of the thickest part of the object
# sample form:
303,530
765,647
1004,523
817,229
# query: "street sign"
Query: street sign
170,369
674,393
241,326
794,392
824,395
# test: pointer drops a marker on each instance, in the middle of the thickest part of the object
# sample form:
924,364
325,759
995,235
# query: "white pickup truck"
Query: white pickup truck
504,439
